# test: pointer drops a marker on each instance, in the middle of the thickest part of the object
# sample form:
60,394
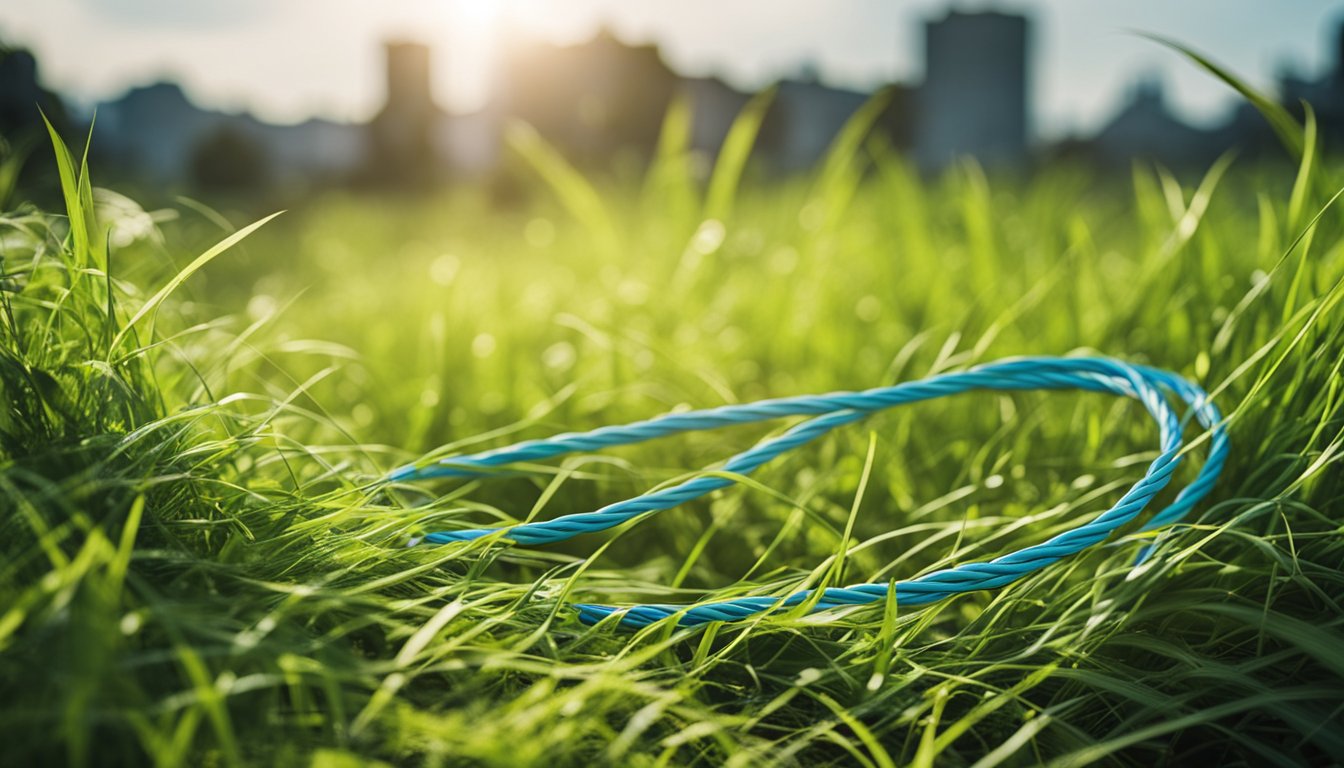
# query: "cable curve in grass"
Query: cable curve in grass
1149,386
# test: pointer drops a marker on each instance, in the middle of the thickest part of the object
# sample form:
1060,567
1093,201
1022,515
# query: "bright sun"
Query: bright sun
466,37
476,14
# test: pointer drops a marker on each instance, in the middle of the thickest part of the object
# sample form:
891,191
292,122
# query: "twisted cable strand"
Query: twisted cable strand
829,411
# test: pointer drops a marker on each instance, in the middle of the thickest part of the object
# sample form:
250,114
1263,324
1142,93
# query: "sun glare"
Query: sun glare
476,14
470,33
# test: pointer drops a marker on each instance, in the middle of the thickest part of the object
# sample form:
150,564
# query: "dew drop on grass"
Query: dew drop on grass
560,356
708,237
632,292
483,345
808,676
130,623
260,306
362,414
444,268
868,309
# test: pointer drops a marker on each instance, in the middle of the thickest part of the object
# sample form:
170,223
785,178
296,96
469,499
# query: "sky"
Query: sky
286,60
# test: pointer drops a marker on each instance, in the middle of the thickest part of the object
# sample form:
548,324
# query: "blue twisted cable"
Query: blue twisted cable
1095,374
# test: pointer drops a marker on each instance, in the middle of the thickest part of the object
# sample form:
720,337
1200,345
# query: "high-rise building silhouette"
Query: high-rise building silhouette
603,101
401,135
975,93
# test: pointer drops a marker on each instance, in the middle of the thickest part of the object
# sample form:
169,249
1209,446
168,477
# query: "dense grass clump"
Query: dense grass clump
197,565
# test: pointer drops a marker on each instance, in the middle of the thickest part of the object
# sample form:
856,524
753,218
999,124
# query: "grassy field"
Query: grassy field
198,567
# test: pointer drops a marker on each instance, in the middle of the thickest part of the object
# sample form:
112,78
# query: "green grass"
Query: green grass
197,570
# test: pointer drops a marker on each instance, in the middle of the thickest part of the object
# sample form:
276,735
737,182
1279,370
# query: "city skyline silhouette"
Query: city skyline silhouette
264,58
